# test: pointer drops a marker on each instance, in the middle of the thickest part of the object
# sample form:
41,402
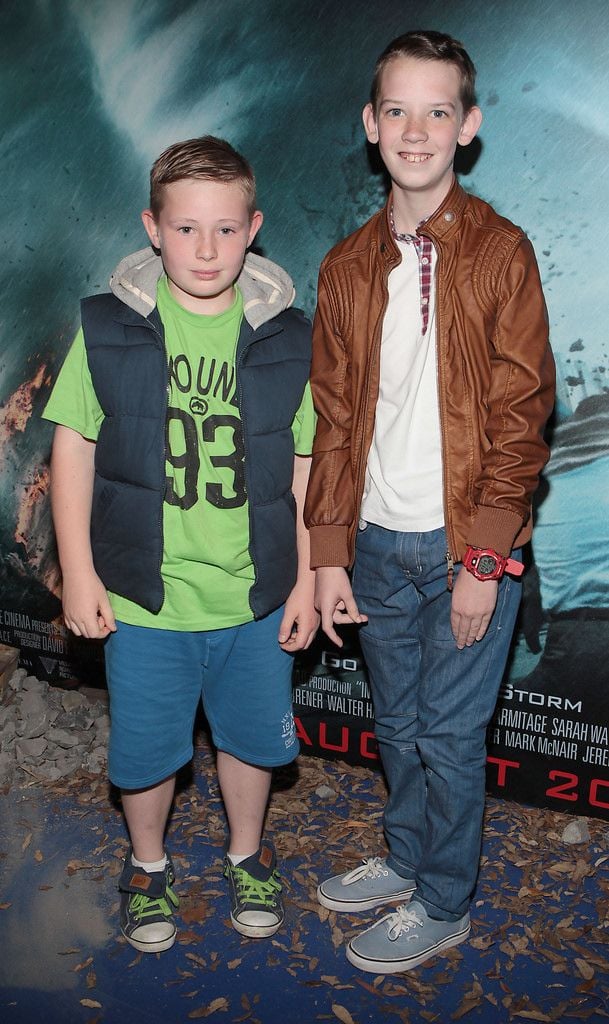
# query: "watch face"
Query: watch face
486,565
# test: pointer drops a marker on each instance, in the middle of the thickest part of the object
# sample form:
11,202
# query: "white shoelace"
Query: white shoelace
400,921
373,867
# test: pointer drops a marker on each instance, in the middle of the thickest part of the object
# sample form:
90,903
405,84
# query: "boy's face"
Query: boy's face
202,231
418,124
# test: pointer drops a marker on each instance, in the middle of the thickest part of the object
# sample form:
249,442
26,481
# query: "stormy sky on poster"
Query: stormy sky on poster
92,91
97,89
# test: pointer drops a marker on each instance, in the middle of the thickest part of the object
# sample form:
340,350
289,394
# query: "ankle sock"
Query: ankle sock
150,866
236,858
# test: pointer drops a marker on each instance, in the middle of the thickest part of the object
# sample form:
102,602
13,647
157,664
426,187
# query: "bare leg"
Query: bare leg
146,811
245,791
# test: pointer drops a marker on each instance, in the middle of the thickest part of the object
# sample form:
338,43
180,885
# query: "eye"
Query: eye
438,114
186,229
393,112
227,231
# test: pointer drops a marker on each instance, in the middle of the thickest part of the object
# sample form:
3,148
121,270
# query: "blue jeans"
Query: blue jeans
432,706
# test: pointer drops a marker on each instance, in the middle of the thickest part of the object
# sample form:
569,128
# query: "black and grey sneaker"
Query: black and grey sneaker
255,893
147,905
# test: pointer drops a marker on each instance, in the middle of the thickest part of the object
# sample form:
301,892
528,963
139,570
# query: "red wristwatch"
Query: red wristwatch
485,564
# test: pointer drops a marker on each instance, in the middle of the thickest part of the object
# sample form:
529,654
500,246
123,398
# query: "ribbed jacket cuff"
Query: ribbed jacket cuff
329,546
495,528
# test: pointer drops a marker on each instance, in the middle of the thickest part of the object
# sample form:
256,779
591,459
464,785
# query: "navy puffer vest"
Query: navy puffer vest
128,365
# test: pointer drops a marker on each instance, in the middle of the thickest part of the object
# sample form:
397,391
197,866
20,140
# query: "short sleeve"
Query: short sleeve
303,427
73,402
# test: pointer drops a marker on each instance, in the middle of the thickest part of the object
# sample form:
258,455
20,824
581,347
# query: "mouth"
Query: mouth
414,158
205,275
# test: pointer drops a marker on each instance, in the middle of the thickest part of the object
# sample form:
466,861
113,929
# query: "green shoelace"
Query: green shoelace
144,906
251,890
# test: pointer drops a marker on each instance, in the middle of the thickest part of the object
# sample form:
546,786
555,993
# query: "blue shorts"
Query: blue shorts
156,678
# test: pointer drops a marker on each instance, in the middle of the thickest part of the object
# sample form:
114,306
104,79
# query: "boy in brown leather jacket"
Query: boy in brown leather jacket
433,380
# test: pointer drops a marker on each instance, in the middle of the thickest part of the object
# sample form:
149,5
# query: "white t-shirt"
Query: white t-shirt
403,487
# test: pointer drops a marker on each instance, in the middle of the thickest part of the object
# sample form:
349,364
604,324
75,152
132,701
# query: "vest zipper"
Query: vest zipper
164,452
238,362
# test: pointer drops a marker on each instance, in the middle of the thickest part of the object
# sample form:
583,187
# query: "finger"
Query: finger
106,615
462,632
313,632
328,628
482,629
286,628
352,610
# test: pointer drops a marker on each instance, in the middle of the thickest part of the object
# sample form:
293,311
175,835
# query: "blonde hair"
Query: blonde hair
206,158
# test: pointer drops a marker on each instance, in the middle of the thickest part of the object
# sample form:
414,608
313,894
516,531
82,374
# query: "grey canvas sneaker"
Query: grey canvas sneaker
404,939
366,887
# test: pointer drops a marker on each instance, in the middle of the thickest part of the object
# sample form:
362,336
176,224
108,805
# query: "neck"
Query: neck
410,208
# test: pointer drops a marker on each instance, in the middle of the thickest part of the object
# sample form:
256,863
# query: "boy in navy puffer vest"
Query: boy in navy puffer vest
179,468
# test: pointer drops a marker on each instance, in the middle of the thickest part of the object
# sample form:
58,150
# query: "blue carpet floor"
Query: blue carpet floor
539,949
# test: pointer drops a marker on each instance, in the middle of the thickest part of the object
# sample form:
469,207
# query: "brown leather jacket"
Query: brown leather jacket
495,377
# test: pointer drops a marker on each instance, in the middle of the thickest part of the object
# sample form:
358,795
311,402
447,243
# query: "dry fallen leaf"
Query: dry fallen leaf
92,1004
585,969
532,1015
206,1011
342,1013
85,963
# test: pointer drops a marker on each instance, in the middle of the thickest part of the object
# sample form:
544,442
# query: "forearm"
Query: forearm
300,619
86,607
302,468
72,474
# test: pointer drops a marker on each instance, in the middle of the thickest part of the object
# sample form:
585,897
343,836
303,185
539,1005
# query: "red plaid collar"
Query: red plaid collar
424,250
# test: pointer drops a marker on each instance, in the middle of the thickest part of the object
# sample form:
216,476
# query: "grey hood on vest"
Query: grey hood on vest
267,289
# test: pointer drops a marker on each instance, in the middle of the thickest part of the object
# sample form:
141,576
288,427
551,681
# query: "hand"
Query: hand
334,600
86,608
300,620
473,604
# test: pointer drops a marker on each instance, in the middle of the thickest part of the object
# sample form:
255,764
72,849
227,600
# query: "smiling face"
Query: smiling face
418,124
203,230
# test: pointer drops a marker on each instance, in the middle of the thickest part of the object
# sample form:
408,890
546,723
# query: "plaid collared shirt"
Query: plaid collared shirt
424,250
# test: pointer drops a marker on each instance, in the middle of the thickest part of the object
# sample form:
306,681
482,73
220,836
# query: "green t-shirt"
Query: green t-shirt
207,570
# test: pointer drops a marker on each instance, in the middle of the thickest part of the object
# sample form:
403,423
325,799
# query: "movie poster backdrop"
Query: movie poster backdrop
83,119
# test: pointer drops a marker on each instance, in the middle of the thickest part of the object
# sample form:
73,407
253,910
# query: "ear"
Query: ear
255,225
370,126
470,127
150,226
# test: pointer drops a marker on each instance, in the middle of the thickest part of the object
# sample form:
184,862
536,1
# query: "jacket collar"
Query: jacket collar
441,226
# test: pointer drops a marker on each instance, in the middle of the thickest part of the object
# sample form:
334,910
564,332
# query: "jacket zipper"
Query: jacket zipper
363,457
451,549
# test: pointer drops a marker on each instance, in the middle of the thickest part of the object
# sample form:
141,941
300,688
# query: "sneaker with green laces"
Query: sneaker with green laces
147,906
255,893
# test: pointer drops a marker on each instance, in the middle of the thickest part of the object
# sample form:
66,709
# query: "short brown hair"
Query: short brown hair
428,45
206,158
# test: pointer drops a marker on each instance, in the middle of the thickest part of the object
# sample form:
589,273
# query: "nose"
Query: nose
206,247
414,130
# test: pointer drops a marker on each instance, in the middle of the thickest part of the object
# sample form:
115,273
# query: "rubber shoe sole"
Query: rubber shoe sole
255,931
157,946
394,965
